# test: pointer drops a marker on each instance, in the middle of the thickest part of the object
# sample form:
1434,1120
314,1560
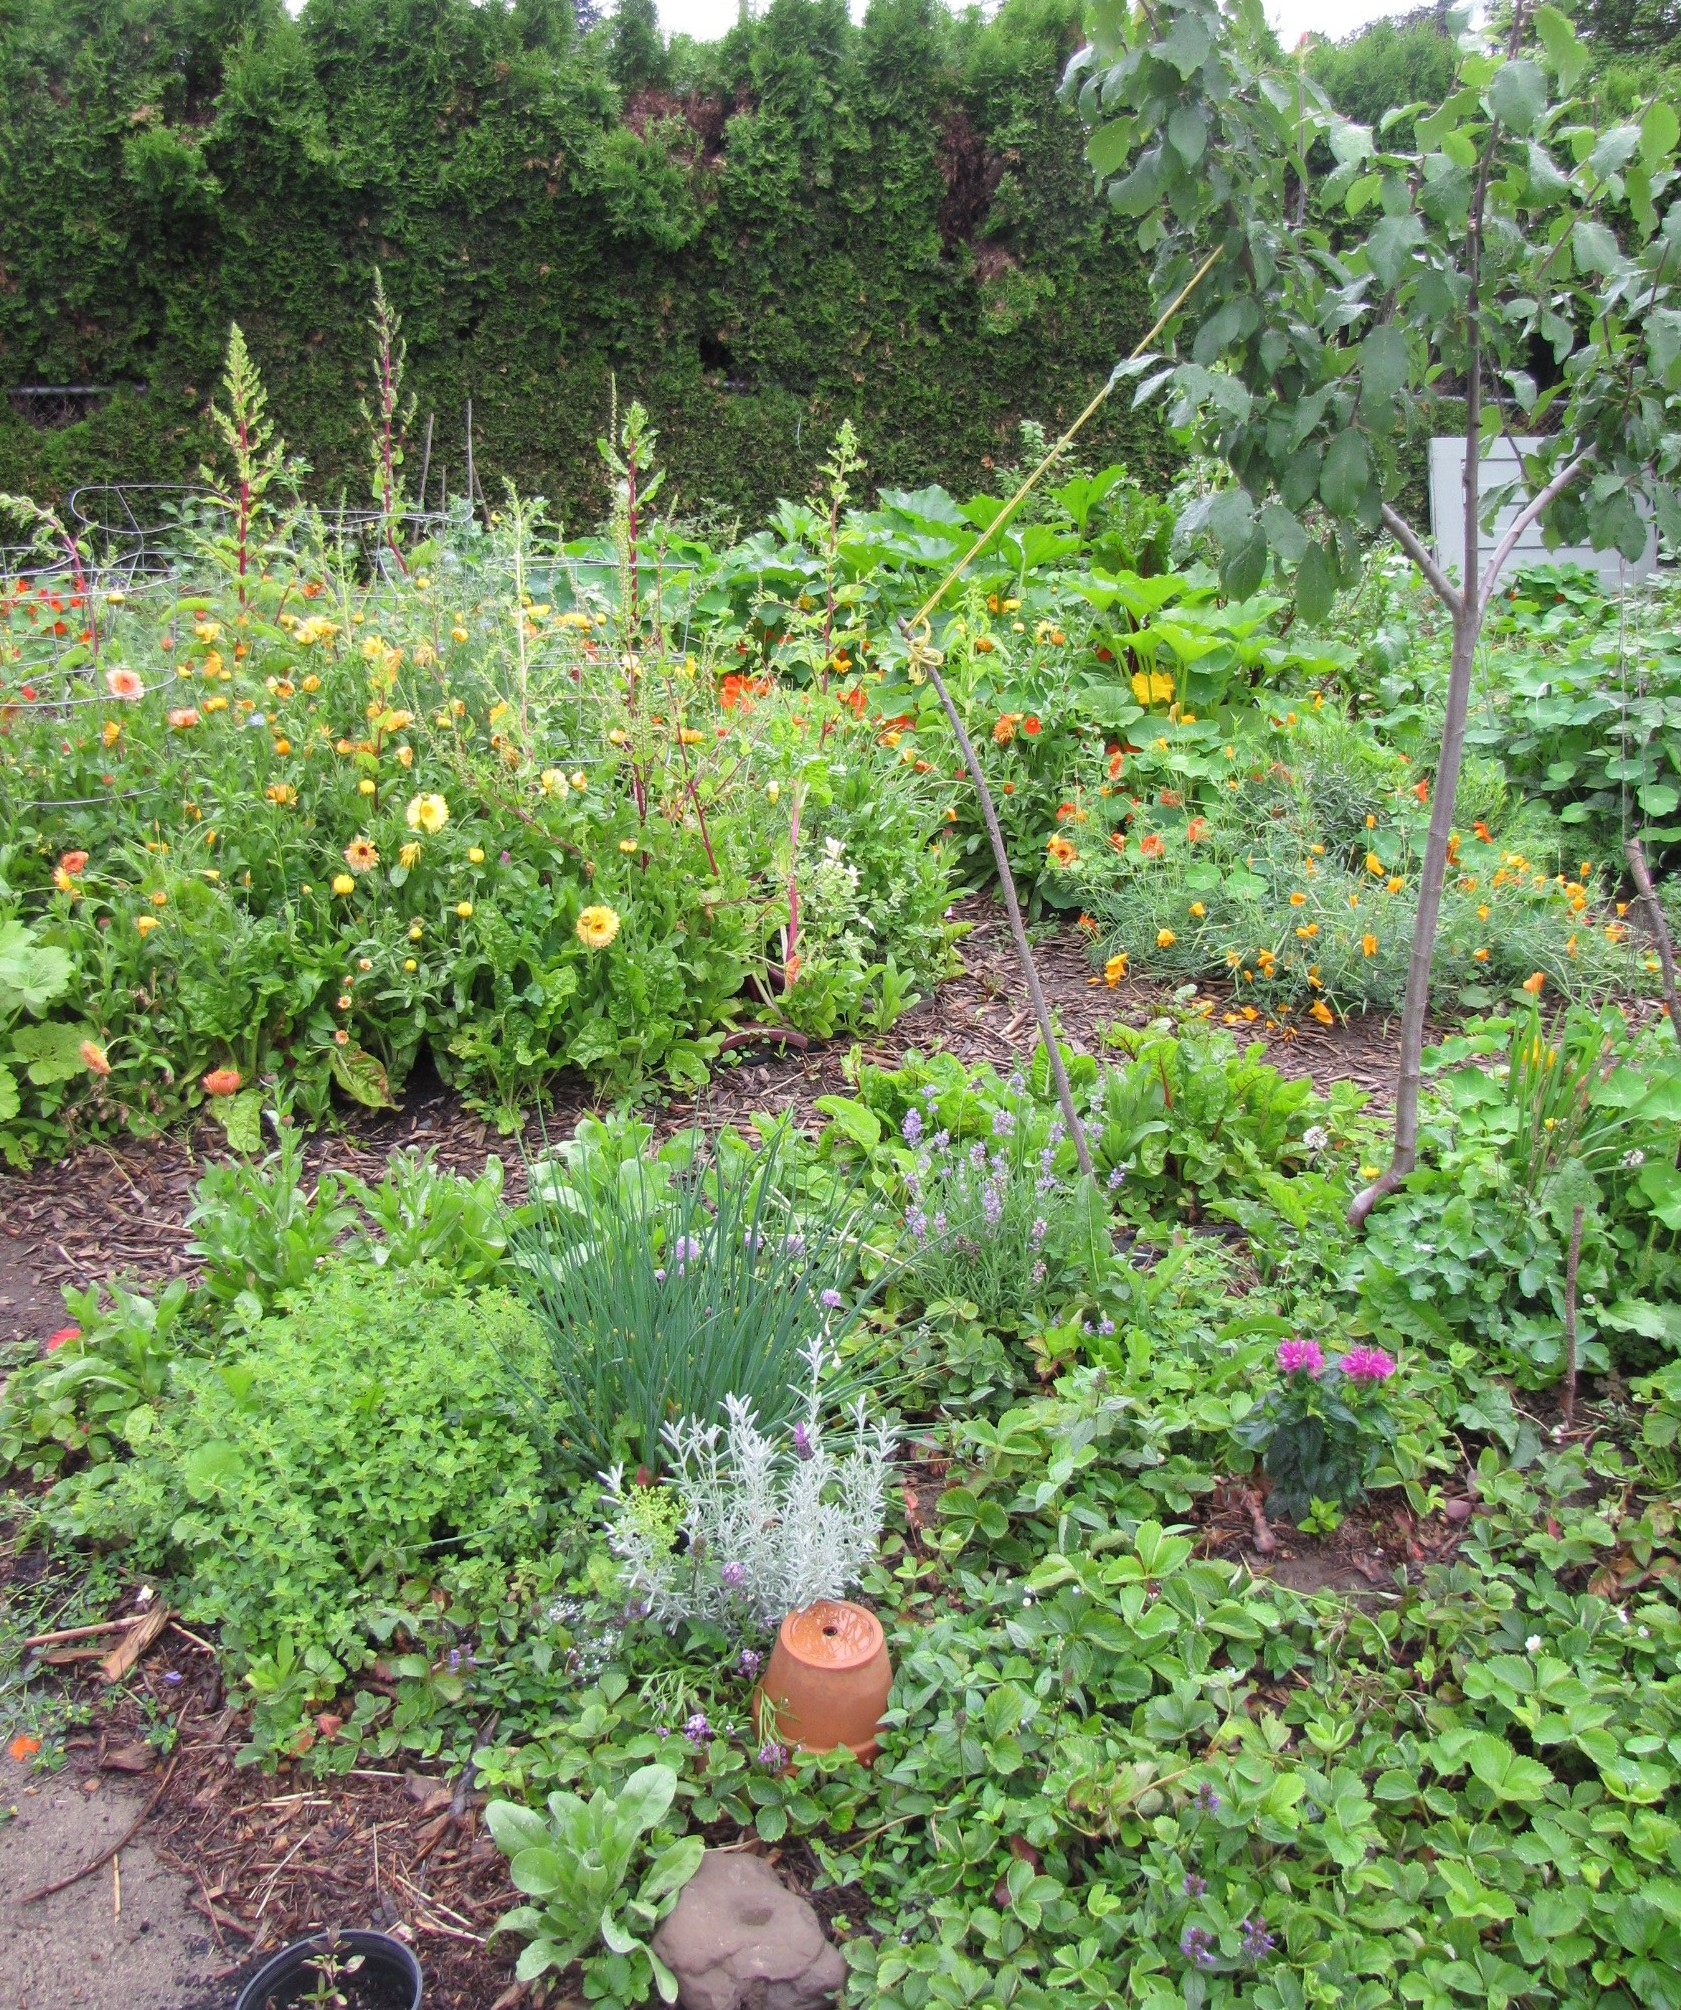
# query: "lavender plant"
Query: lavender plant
985,1218
752,1525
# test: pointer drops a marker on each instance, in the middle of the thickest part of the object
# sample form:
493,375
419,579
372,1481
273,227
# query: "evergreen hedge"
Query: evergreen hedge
806,221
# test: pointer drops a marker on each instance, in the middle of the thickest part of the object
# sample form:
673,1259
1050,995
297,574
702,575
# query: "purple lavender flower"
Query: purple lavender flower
751,1661
1196,1943
455,1660
1037,1233
734,1575
1057,1132
940,1223
1195,1886
916,1220
1116,1178
1257,1941
1037,1274
940,1140
930,1095
1301,1357
1207,1799
1017,1083
697,1730
977,1155
803,1447
992,1205
1367,1364
911,1129
831,1298
1003,1123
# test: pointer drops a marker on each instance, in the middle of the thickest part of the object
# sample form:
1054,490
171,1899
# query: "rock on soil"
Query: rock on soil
739,1939
116,1940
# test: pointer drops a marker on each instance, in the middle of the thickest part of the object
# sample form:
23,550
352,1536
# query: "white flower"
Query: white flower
1533,1644
1316,1137
1632,1159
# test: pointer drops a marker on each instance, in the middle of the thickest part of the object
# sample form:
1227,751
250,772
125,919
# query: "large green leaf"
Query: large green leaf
1343,478
31,976
1506,1773
646,1795
1517,94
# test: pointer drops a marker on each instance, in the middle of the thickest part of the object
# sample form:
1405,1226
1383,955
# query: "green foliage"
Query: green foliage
259,1232
94,1391
291,1486
1386,67
664,1281
33,976
576,1865
1320,1433
1323,341
807,221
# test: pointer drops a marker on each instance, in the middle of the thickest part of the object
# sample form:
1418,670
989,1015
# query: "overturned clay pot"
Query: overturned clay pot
827,1681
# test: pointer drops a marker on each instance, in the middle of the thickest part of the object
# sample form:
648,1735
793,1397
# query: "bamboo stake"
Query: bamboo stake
925,659
1635,853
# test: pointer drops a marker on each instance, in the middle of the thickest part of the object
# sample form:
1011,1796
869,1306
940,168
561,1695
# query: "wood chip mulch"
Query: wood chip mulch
119,1209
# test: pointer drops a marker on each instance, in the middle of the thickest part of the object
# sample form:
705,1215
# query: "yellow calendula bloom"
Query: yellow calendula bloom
464,908
408,855
475,855
597,927
458,633
281,792
628,845
343,883
553,783
361,855
416,931
146,923
409,964
427,813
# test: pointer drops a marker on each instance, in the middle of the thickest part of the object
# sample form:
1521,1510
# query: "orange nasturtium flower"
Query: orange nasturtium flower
1061,852
1151,844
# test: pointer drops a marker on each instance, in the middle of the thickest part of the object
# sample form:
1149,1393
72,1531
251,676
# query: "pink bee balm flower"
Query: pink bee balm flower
1300,1357
1367,1364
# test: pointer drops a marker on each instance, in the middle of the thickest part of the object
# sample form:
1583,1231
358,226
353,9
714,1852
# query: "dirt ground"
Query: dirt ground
122,1938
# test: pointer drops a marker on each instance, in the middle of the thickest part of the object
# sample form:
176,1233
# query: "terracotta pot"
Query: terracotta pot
827,1681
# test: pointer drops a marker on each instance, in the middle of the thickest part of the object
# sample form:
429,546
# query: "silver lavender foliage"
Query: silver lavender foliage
770,1524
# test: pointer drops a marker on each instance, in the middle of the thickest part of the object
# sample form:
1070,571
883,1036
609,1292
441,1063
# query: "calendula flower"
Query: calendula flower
366,786
1197,829
1165,938
458,633
416,931
553,783
427,813
73,864
1479,955
475,854
408,855
343,883
1004,728
123,683
145,923
281,792
597,927
361,855
1152,844
1060,852
183,718
628,845
464,908
94,1058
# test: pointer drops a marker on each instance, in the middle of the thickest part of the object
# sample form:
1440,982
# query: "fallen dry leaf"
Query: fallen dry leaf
133,1644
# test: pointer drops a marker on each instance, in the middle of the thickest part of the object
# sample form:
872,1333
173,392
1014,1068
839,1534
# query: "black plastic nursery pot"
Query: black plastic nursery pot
388,1979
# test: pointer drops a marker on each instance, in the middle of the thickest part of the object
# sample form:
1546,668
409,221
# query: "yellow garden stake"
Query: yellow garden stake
925,660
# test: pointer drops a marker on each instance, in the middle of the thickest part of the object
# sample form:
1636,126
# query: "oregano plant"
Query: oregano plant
1511,271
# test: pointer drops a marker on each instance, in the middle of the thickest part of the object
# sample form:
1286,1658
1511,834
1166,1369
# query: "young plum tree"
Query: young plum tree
1513,270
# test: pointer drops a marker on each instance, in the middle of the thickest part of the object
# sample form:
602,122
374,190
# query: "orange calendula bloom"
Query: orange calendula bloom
22,1747
222,1082
1479,955
183,717
1197,829
361,854
1004,730
281,792
1030,726
124,684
